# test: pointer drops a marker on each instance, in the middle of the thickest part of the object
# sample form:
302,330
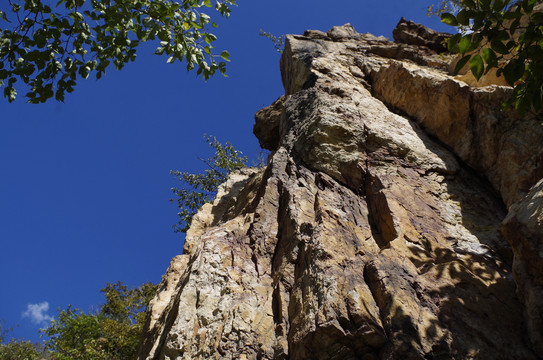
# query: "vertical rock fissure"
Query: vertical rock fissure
277,274
379,215
366,188
254,259
381,218
375,297
281,210
277,310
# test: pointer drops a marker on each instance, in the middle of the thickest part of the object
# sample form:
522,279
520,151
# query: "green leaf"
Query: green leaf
10,93
502,35
476,39
222,69
485,4
449,19
477,66
510,15
489,56
470,4
528,6
498,5
464,45
225,55
522,104
478,20
463,17
461,63
537,18
514,71
499,47
204,18
452,44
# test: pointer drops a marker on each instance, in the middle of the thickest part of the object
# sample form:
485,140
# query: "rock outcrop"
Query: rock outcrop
374,231
409,32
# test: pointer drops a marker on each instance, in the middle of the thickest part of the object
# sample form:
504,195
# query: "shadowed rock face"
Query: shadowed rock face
374,230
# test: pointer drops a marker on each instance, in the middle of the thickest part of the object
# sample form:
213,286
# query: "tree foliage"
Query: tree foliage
278,41
112,333
50,48
3,331
200,188
23,350
509,37
452,6
20,349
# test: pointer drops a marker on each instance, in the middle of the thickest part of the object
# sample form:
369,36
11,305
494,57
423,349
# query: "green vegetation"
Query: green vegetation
443,7
278,41
3,331
113,332
49,49
202,188
19,349
23,350
503,35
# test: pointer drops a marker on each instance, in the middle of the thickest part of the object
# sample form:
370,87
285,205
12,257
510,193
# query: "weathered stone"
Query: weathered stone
409,32
501,146
267,122
364,237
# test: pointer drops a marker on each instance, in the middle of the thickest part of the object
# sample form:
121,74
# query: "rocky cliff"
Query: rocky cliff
399,217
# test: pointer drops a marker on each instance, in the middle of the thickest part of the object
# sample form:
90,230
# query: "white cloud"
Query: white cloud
38,313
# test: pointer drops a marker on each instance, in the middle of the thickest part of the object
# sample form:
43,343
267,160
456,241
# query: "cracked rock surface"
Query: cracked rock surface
374,230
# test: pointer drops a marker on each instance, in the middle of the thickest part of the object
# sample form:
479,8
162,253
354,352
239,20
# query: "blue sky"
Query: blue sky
84,185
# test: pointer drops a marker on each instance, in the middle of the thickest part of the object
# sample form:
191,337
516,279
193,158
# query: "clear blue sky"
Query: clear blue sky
84,185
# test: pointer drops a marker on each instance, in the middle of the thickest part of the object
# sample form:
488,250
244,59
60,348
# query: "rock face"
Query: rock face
523,227
374,230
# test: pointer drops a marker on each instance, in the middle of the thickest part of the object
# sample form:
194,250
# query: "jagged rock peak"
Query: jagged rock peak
374,230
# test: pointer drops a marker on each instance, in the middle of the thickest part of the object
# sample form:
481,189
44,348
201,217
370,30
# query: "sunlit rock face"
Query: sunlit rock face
374,231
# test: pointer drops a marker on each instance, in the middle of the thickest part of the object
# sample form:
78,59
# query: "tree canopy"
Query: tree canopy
17,349
49,48
113,332
503,35
23,350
